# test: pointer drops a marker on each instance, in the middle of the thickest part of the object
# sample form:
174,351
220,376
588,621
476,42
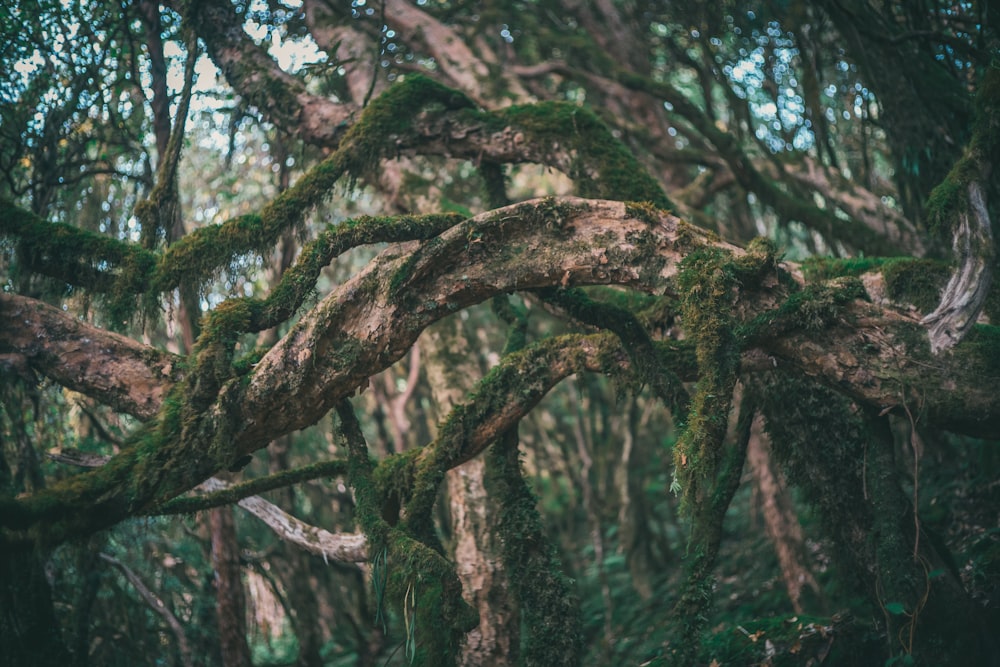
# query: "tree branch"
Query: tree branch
157,605
339,547
252,72
118,371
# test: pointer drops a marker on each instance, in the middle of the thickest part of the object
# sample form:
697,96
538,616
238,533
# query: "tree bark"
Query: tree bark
452,369
780,520
229,594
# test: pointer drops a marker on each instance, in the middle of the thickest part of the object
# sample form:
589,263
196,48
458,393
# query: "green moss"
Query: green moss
645,357
237,492
644,211
916,281
550,611
115,270
418,579
602,166
982,345
950,199
707,283
824,268
813,308
393,479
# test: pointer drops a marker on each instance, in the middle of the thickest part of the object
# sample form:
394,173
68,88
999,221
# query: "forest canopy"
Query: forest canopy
544,332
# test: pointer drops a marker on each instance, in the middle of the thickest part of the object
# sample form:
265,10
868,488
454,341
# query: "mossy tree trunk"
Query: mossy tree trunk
842,458
453,367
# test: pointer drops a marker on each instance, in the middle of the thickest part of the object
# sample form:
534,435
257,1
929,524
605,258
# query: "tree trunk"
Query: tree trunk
780,520
29,633
850,476
452,368
229,595
301,597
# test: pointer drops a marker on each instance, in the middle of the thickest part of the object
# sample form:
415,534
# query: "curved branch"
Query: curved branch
969,284
232,493
339,547
373,319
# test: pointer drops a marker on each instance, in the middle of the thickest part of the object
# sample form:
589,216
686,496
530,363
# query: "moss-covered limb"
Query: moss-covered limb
495,183
917,282
812,308
360,472
821,443
502,397
237,492
600,164
550,610
424,585
708,283
373,319
200,254
841,459
968,287
75,256
79,257
249,69
950,198
646,361
418,579
882,358
299,281
690,613
515,316
958,208
118,371
98,498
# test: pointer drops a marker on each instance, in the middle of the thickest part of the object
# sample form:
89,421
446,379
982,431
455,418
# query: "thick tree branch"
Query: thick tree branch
869,352
118,371
964,295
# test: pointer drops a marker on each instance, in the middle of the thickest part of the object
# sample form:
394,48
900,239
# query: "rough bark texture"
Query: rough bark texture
872,353
452,369
342,547
969,285
121,372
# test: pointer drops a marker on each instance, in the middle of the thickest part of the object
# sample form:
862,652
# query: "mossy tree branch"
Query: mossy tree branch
959,204
373,319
